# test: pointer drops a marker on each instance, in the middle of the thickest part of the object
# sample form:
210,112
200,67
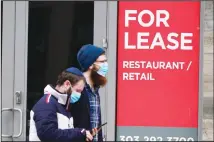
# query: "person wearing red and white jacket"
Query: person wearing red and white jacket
50,118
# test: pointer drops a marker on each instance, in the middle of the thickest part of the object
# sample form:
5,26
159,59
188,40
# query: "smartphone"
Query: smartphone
99,127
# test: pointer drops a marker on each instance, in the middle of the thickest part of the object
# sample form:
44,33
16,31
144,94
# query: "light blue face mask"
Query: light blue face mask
75,96
103,69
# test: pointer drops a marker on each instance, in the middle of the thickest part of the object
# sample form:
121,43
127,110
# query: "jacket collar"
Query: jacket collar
62,98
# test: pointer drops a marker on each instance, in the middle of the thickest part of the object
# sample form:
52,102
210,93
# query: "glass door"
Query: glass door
47,38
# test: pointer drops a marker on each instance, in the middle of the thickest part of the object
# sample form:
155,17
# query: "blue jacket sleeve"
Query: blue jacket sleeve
45,118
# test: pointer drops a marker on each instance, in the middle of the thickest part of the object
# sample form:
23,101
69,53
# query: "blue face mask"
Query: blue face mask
75,96
103,69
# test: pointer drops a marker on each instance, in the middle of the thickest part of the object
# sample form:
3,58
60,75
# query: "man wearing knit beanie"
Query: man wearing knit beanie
87,112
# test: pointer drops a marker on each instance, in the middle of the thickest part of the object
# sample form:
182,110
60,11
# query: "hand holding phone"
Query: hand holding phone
94,131
89,136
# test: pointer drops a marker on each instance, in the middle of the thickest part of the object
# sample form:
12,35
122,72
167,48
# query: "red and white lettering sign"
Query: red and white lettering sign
158,64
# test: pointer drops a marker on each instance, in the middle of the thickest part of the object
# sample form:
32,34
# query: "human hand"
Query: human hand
94,131
89,137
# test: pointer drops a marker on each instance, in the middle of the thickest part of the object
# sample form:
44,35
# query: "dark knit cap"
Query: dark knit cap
87,55
75,71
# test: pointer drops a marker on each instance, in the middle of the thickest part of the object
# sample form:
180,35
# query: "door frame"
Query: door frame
100,32
7,70
20,47
20,74
112,15
14,77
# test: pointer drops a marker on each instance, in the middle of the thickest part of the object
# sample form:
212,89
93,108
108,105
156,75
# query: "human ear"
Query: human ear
91,67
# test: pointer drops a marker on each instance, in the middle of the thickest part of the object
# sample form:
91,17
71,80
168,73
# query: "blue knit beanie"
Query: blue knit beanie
87,55
75,71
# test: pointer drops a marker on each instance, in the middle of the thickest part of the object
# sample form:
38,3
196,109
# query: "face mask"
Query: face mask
75,96
103,69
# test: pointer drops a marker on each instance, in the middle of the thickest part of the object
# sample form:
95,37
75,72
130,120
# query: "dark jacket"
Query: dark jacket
81,114
50,121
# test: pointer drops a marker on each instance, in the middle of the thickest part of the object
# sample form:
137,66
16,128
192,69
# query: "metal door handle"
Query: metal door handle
20,124
21,121
6,109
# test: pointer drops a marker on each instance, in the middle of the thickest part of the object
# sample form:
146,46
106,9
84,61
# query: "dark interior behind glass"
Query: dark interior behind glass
56,31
